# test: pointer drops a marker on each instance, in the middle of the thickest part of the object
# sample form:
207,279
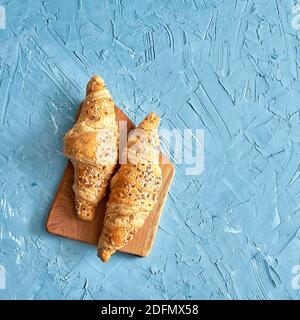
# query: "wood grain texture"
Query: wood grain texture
62,220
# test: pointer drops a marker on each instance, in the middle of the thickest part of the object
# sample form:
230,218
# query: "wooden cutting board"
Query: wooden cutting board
62,220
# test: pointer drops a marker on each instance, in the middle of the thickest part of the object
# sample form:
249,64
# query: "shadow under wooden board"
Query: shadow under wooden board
62,220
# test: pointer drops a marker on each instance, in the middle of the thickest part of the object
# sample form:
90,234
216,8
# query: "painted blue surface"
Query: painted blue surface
228,67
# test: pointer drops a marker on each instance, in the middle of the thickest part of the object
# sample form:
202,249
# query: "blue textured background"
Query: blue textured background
228,67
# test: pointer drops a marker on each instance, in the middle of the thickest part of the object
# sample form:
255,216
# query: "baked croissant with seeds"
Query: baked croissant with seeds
133,190
92,146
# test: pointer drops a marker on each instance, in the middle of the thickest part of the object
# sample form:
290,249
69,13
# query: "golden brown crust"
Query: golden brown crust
92,146
134,189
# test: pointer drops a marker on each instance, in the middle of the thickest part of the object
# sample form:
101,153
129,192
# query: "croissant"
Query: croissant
134,189
92,146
